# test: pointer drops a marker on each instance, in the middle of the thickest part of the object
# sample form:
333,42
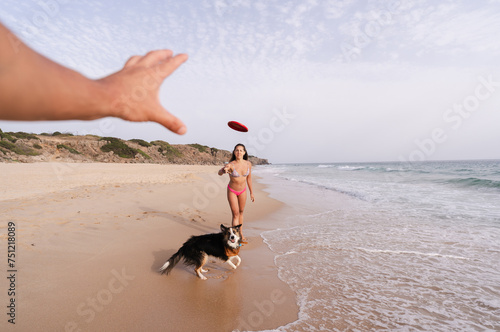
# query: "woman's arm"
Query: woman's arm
32,87
249,181
226,169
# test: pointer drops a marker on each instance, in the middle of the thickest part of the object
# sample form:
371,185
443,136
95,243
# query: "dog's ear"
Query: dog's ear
238,227
223,228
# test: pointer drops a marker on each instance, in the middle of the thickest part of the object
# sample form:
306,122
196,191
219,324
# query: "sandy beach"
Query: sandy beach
89,239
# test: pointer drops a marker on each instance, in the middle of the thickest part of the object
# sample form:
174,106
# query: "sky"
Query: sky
314,81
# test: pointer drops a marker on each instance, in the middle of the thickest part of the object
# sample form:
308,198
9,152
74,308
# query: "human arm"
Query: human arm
33,87
249,182
226,169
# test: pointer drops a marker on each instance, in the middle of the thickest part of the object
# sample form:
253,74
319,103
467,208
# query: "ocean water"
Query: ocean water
390,246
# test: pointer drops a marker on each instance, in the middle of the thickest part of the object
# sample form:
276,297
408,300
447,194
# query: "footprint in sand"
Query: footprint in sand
197,219
193,215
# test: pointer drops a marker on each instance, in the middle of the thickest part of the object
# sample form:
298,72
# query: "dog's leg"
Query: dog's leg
198,273
199,269
239,260
230,262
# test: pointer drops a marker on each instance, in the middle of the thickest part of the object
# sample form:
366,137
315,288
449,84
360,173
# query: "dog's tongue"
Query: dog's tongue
232,240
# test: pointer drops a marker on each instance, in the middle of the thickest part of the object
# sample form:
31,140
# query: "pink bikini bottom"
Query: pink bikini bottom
237,193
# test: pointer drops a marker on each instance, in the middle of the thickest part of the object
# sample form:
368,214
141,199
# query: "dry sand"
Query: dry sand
90,238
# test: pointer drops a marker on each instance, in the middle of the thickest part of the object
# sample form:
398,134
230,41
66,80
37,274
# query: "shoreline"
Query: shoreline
88,256
375,247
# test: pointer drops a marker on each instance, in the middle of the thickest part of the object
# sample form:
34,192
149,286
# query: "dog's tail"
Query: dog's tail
172,261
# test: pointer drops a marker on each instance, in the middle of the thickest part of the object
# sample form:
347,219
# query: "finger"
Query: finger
154,57
165,68
170,122
132,61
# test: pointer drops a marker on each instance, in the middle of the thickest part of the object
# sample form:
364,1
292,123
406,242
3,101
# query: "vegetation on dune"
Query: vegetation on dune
21,135
205,149
201,148
214,151
18,149
158,151
144,154
167,150
118,147
70,149
7,136
7,145
141,142
57,133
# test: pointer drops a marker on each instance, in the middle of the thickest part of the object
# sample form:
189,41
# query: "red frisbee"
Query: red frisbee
237,126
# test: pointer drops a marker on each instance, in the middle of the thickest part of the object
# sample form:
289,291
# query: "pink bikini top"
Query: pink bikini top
235,174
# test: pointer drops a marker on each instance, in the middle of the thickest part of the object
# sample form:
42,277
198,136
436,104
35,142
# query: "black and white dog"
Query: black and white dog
195,251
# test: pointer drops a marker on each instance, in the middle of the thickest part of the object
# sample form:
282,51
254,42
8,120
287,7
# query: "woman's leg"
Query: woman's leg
235,209
242,199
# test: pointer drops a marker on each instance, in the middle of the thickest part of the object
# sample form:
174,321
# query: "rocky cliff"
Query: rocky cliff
23,147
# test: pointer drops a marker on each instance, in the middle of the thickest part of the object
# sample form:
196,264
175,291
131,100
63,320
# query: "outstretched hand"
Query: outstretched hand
229,168
35,88
135,88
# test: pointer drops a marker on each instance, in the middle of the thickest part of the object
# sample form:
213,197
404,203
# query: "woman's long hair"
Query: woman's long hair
245,157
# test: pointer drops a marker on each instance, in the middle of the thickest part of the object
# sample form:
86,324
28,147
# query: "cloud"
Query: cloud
421,32
446,29
411,60
335,9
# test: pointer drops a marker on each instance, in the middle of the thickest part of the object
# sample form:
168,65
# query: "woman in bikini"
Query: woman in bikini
240,173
